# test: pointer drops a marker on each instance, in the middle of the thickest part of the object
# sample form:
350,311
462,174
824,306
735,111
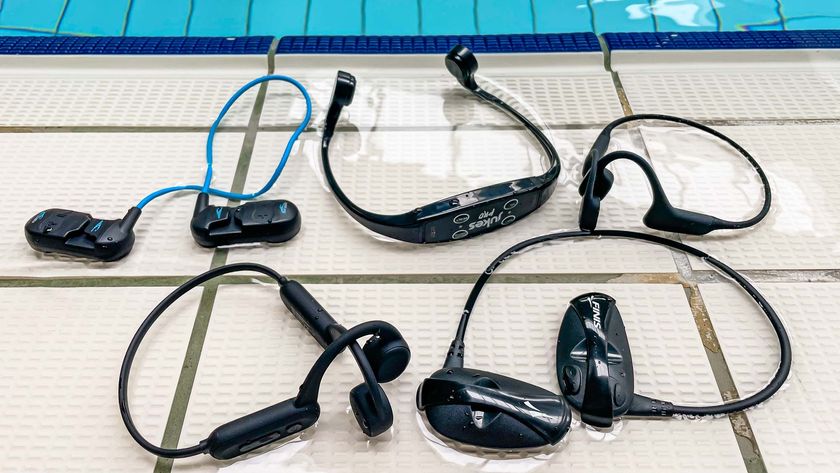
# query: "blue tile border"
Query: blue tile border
806,39
71,45
513,43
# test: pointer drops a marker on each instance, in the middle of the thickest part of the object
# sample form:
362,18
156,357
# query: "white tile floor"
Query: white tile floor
419,138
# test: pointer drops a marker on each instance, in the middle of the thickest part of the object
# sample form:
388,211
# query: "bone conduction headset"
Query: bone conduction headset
460,216
662,215
384,357
79,234
494,411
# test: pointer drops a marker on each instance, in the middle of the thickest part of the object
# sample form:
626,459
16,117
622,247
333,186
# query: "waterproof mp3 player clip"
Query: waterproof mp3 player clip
460,216
594,368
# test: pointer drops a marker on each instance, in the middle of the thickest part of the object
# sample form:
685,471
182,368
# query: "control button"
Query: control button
618,395
511,204
571,380
508,220
459,234
293,428
460,218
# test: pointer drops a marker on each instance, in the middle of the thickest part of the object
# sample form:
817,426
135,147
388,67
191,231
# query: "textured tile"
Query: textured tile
61,351
795,429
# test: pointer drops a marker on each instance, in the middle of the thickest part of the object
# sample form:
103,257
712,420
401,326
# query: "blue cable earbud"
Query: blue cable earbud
208,177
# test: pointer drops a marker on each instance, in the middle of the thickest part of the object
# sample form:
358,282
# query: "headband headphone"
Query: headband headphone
384,357
460,216
593,356
597,181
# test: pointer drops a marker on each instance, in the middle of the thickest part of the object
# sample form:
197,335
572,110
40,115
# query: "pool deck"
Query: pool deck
95,132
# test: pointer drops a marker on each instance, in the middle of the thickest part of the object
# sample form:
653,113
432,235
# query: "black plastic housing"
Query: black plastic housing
261,428
594,366
269,221
79,234
492,411
317,321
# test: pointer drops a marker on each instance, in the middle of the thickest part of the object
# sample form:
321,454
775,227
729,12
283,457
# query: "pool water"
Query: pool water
404,17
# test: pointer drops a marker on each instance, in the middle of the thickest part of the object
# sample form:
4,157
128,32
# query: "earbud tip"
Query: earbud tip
462,64
394,361
345,88
372,419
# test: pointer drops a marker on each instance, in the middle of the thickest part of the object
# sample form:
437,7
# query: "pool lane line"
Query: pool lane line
195,345
739,422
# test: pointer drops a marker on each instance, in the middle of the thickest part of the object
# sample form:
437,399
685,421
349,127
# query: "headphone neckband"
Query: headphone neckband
456,353
463,215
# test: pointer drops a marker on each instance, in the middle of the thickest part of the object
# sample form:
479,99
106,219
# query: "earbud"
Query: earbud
342,96
594,365
492,411
462,64
371,408
78,234
388,357
266,221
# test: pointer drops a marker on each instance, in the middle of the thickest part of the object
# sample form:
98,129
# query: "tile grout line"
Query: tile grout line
739,422
195,345
699,276
311,129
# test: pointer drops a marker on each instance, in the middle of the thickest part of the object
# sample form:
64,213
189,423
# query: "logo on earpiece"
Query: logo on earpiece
96,227
283,208
596,311
39,216
218,212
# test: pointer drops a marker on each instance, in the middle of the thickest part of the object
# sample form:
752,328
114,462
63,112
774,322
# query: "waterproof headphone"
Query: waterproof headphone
78,234
597,181
494,411
384,357
460,216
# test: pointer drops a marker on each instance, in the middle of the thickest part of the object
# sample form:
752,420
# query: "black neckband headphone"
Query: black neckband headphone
494,411
661,215
384,357
461,216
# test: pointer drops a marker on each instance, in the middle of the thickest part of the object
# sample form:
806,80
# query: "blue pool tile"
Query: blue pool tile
270,17
392,17
571,16
146,18
817,23
810,8
18,32
749,15
448,17
218,17
622,16
21,14
335,17
504,16
685,15
94,17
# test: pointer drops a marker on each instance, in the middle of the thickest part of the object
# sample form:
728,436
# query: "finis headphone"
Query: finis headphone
460,216
594,368
384,357
662,215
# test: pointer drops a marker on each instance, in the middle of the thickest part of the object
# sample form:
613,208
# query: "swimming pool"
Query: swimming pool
404,17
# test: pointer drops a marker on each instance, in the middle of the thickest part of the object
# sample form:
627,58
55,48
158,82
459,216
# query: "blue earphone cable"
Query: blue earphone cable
208,177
